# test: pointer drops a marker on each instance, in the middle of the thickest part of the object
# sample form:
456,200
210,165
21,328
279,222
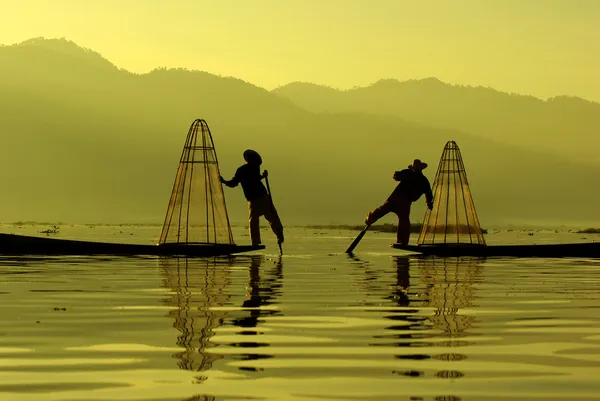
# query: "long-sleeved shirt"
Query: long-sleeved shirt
413,184
250,178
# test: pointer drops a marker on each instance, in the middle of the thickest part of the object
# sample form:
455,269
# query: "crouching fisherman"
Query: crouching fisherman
259,200
413,184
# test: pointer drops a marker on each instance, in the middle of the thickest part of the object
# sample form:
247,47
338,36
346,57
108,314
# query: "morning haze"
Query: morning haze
86,140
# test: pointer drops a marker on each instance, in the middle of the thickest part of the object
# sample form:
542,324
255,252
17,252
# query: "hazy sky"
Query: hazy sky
538,47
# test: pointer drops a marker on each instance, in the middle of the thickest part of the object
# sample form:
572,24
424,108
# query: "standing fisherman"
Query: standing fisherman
259,200
413,184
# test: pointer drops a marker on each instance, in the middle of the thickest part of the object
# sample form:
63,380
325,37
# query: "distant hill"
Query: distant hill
566,126
84,141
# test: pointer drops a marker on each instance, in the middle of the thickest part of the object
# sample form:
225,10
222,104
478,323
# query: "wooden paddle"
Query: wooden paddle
272,205
357,240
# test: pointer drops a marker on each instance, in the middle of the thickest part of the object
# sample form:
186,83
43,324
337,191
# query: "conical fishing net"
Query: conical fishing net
197,213
453,219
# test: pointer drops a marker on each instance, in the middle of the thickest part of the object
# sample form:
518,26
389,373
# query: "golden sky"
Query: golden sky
538,47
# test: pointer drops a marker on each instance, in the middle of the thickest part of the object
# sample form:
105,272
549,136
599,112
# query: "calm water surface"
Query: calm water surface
314,324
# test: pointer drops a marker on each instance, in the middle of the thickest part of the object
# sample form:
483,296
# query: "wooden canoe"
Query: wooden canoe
575,250
11,244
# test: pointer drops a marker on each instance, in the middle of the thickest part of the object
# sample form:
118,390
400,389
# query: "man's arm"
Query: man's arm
428,193
231,183
399,175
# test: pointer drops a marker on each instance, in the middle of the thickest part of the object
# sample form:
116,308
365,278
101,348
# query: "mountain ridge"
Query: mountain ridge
64,44
429,80
562,125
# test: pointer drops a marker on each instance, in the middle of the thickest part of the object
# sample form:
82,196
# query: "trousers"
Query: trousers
399,206
262,206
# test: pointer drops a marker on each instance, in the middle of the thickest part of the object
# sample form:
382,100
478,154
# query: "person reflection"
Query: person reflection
196,286
399,293
261,295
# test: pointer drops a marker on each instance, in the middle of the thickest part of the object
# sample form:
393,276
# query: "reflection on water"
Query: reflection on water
261,293
447,287
197,285
374,327
450,287
200,287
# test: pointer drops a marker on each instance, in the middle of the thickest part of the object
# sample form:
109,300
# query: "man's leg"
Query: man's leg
403,232
254,212
377,213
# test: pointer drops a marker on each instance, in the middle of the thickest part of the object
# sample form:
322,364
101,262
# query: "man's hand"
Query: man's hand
265,174
222,179
430,205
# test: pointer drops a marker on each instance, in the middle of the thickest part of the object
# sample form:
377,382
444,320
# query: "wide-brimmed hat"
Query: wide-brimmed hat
418,165
252,157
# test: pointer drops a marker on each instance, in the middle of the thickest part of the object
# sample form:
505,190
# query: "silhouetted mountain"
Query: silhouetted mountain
567,126
48,49
84,141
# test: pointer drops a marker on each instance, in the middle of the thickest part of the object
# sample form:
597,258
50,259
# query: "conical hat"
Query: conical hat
418,165
252,157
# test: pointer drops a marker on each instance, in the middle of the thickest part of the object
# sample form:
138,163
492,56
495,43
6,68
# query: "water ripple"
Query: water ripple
306,326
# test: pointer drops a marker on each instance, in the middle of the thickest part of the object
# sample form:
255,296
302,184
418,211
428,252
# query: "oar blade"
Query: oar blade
354,244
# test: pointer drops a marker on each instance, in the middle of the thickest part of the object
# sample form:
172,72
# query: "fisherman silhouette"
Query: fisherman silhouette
413,184
259,201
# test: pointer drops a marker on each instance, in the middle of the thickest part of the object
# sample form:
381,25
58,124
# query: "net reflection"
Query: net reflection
449,284
197,286
450,287
261,294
